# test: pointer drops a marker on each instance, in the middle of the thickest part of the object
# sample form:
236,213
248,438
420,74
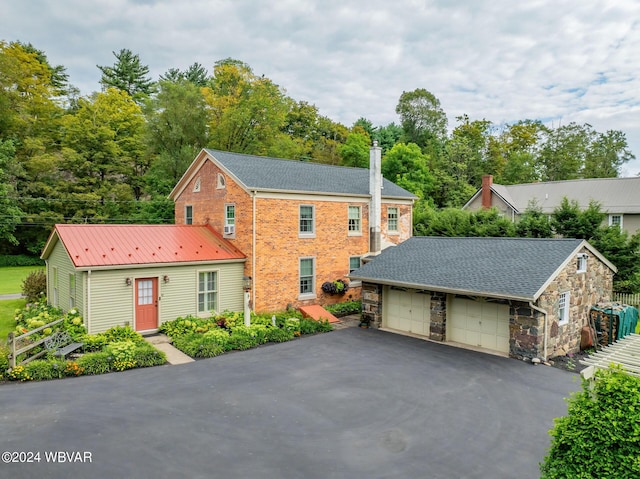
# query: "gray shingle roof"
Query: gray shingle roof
615,195
274,174
516,268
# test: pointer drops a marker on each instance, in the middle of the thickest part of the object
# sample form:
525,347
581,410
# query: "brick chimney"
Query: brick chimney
487,181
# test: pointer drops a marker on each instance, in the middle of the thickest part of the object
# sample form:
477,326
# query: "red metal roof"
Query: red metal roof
110,245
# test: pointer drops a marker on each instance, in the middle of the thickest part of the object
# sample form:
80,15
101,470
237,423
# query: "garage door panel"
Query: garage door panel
408,311
479,323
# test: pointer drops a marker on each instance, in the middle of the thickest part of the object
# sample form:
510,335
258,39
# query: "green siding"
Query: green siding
60,259
112,301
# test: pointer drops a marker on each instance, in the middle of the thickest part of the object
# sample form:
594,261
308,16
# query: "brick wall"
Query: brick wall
278,245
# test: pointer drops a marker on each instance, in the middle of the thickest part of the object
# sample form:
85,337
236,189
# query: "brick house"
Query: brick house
300,224
521,297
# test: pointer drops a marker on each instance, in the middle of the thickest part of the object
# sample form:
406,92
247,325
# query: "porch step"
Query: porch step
174,355
316,312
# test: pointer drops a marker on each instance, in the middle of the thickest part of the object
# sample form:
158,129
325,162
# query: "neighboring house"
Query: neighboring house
526,298
141,275
300,224
619,198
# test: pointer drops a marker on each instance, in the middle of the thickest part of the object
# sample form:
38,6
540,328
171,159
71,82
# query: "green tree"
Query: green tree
533,223
388,136
176,124
562,156
10,212
516,149
127,74
104,156
570,222
195,74
421,117
623,251
462,223
407,166
247,112
355,151
599,437
606,155
467,148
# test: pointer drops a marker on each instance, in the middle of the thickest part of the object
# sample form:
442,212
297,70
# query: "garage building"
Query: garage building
522,297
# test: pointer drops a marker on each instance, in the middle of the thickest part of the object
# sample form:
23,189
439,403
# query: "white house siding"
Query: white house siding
112,301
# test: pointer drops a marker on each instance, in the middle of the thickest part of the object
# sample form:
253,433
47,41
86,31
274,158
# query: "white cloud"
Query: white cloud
501,60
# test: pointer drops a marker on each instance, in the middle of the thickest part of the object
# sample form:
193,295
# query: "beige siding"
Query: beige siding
112,301
60,259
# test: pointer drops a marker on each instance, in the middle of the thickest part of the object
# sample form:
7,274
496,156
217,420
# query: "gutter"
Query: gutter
546,328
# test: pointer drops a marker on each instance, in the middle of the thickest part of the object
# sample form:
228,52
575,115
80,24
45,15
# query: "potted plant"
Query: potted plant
339,286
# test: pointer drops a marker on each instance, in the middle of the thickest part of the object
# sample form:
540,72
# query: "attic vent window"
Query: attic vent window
582,263
196,186
221,181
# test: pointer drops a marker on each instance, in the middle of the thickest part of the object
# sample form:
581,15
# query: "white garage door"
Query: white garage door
407,311
479,323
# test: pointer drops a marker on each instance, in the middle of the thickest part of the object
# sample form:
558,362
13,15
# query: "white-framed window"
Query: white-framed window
230,219
188,215
196,186
582,263
222,182
392,219
355,220
354,263
72,290
615,220
307,221
307,278
564,302
207,292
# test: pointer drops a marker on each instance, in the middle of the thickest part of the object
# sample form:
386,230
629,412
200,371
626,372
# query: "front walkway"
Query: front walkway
162,343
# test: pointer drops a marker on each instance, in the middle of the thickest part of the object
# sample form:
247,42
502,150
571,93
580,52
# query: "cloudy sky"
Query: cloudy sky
558,61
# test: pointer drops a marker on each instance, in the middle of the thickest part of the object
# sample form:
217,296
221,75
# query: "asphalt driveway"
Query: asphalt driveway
348,404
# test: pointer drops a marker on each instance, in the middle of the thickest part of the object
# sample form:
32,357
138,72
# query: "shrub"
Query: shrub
600,435
198,346
19,373
190,324
93,342
20,260
34,286
343,309
242,338
311,326
122,333
123,353
42,370
74,325
277,335
218,335
96,363
4,361
146,355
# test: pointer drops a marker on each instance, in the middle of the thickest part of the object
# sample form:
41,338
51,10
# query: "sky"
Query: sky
558,61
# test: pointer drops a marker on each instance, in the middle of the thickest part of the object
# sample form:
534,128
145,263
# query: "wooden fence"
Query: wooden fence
22,344
627,298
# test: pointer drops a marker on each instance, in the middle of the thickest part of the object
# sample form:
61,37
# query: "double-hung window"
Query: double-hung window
355,220
563,308
230,219
582,263
188,214
307,278
306,222
392,219
615,220
207,292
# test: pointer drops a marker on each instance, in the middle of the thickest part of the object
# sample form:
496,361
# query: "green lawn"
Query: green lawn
7,312
11,278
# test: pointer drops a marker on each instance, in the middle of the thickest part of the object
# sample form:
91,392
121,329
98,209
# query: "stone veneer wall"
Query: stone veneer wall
526,331
588,288
438,316
372,304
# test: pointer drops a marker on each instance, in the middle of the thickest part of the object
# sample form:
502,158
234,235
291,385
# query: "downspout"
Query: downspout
546,328
253,250
88,315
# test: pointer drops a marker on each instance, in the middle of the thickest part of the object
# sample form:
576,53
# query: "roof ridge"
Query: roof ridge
575,180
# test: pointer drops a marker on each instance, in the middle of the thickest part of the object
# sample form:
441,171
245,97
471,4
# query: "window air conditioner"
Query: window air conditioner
229,229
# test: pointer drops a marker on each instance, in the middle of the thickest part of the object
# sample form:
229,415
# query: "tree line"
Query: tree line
114,155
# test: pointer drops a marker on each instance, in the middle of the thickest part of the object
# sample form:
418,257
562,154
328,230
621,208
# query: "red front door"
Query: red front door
146,304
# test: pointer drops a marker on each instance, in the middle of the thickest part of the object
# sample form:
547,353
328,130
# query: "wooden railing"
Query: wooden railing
21,344
627,298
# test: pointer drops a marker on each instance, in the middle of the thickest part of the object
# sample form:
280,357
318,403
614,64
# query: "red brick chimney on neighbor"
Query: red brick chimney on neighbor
487,181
